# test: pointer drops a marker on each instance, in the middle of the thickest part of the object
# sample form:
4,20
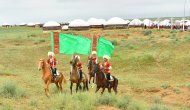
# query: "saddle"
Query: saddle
111,77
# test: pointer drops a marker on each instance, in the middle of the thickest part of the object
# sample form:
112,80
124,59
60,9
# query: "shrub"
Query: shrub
177,91
157,99
10,90
34,103
7,107
173,31
131,45
42,40
188,86
147,58
187,38
124,103
165,86
107,99
158,107
147,32
114,42
162,36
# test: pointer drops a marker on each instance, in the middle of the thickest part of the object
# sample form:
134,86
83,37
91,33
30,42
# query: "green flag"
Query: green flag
104,47
70,44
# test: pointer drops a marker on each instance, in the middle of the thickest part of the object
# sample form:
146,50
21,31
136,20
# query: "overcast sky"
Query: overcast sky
17,11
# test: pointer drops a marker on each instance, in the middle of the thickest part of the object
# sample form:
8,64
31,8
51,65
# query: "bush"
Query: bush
165,86
187,38
114,42
10,90
173,31
124,103
147,58
177,91
158,107
34,103
147,32
8,107
157,99
42,40
107,99
131,45
188,86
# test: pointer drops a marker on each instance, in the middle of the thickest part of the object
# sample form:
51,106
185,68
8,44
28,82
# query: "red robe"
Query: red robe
79,65
52,62
106,66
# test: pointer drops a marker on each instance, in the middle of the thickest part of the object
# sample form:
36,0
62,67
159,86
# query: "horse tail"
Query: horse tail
87,84
115,85
64,79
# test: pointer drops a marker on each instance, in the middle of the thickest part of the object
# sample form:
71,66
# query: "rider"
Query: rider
94,57
106,66
52,62
79,66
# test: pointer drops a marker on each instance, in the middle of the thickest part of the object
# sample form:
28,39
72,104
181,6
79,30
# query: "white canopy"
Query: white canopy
136,22
95,21
31,24
127,21
51,24
147,22
5,24
65,27
21,24
115,21
78,23
166,22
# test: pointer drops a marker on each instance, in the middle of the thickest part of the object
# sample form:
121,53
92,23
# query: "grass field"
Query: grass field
153,68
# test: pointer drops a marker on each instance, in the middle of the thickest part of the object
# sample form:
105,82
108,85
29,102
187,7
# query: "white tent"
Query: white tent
30,24
135,22
78,23
51,24
166,22
95,21
147,22
5,24
115,21
188,23
22,24
127,21
65,27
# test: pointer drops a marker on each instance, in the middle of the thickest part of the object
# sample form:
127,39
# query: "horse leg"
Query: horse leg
60,87
57,85
71,86
97,88
47,88
84,85
77,86
90,79
103,90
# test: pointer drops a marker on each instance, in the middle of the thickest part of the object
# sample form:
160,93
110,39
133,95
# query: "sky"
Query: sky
18,11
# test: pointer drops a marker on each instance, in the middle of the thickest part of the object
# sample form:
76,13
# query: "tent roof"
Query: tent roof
95,21
136,22
78,23
5,24
147,22
22,23
51,24
30,24
115,20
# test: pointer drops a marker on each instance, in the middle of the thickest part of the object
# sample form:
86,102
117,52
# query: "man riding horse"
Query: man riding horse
52,63
106,66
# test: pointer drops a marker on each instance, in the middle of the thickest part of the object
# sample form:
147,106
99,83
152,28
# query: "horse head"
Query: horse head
96,68
75,60
41,64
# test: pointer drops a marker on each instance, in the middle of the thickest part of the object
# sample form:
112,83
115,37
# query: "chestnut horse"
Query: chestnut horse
47,77
101,80
74,75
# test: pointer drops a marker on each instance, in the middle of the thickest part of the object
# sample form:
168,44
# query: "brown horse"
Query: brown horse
74,75
47,77
101,80
90,72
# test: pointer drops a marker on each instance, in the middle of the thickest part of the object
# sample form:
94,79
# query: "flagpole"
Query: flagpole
184,16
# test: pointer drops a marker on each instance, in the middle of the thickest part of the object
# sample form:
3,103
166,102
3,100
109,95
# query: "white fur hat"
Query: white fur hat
77,56
51,53
94,52
106,57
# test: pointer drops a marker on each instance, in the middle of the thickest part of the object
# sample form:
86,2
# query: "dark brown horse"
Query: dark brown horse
74,75
47,77
90,72
101,80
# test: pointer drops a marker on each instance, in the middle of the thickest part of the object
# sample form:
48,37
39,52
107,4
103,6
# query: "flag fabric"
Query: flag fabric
104,47
70,44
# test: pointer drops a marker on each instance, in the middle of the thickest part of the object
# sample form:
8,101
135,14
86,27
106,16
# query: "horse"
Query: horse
47,77
74,75
90,72
101,80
